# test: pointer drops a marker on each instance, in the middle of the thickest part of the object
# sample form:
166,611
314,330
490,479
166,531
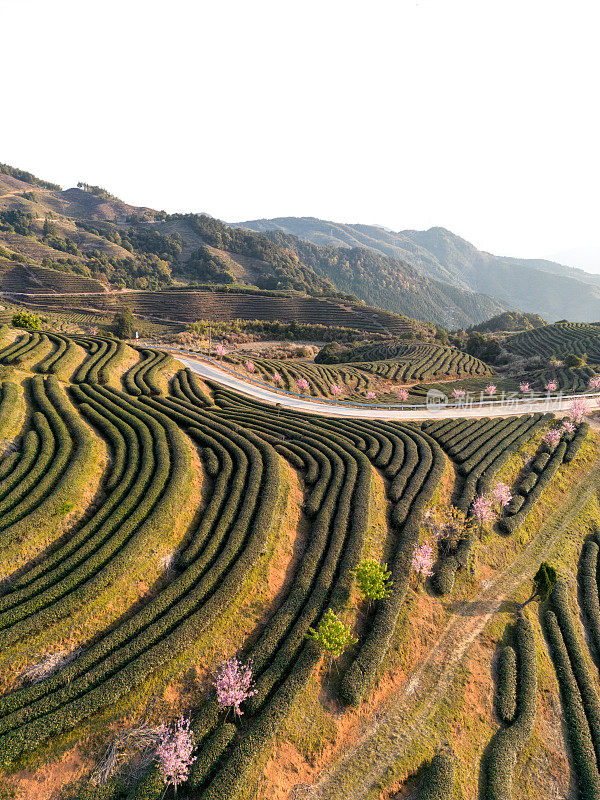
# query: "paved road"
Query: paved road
221,375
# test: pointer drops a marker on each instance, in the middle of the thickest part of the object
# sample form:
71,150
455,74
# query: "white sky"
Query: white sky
478,115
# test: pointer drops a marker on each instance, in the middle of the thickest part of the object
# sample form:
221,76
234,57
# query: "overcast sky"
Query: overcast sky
477,115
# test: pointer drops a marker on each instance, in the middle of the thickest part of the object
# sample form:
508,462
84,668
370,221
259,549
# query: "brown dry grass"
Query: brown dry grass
49,781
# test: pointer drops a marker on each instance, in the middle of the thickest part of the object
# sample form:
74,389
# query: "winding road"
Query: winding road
213,371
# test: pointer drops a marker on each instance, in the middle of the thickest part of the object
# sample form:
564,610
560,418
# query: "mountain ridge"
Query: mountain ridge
89,232
530,285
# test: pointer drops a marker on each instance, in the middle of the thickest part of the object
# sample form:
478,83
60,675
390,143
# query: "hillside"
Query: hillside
388,283
535,285
559,340
157,524
509,322
188,305
86,231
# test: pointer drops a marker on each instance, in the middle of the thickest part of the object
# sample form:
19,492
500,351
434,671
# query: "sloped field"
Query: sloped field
76,588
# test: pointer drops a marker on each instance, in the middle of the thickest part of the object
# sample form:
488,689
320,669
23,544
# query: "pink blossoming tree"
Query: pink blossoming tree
276,378
551,386
578,409
458,393
335,390
221,350
175,753
490,389
370,395
595,383
422,561
482,512
501,494
249,366
303,385
552,438
402,395
233,684
525,387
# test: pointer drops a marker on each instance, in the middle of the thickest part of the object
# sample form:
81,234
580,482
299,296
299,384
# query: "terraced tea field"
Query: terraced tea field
189,305
559,340
153,524
407,365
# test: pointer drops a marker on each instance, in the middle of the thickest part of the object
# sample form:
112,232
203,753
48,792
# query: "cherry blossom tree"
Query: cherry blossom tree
501,494
303,385
335,389
370,395
595,383
174,753
249,366
483,512
422,561
568,427
551,386
448,525
220,350
525,387
233,684
276,378
578,409
402,395
458,393
551,438
490,389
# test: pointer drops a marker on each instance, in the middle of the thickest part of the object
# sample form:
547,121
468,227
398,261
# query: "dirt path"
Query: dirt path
405,716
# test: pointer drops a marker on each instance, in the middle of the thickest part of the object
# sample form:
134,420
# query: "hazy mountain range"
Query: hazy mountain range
544,287
430,275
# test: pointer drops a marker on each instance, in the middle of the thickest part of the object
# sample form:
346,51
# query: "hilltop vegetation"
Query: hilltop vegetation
432,276
509,322
27,177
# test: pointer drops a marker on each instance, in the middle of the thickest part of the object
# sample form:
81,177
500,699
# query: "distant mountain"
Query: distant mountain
582,258
390,283
550,289
88,232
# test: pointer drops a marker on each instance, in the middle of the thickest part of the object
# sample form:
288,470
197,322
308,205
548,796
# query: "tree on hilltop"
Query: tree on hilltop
124,324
